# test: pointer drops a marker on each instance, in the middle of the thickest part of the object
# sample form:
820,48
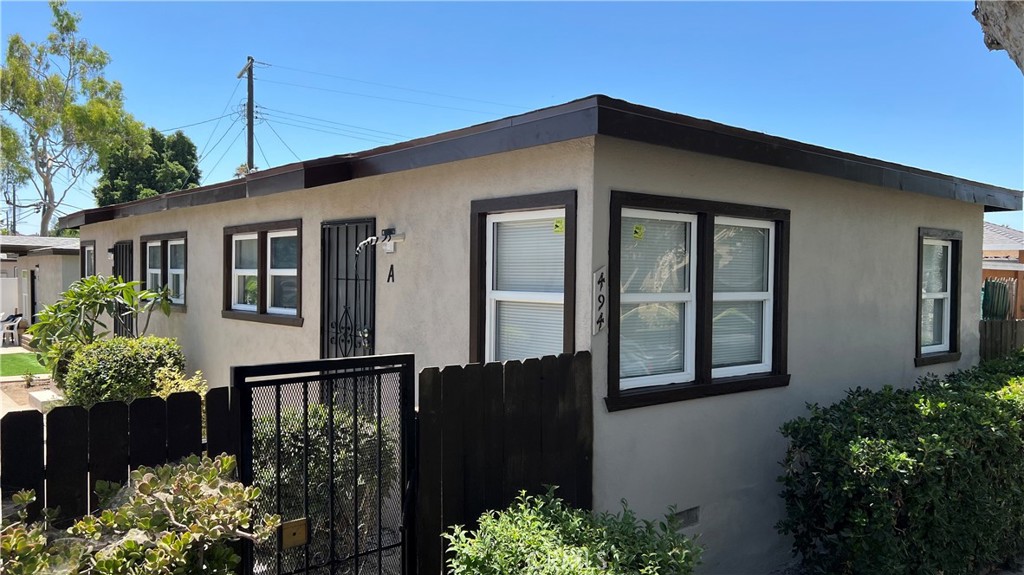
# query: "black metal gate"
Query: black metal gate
123,325
330,445
347,289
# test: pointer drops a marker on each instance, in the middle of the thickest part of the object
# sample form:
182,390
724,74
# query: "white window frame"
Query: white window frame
271,272
766,298
946,296
688,301
238,272
493,296
90,260
150,270
171,272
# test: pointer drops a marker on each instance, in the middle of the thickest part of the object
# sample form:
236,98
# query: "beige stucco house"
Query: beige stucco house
722,278
34,271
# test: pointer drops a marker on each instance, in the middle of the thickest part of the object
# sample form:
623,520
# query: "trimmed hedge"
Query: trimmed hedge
119,369
911,481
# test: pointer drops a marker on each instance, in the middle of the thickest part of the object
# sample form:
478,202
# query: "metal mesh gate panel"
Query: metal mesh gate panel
329,445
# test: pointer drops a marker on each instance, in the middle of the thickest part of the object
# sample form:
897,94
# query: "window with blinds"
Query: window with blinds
699,293
656,315
525,284
741,313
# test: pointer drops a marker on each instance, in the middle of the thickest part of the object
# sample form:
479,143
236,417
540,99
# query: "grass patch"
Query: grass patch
19,364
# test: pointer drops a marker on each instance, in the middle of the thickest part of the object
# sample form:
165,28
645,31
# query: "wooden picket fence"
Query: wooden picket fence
1000,338
488,431
63,459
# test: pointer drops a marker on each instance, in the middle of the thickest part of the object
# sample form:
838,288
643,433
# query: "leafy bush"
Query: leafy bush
922,480
540,535
168,380
314,430
168,520
77,318
119,368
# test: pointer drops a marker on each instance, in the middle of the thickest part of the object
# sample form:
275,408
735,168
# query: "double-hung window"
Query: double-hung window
164,264
938,309
263,272
522,277
697,296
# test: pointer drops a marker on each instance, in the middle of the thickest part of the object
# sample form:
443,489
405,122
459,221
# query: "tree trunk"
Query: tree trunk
1002,21
48,206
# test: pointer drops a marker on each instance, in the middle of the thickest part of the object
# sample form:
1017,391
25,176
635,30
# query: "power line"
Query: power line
227,150
266,162
376,97
333,133
328,129
269,125
195,124
224,113
266,64
332,122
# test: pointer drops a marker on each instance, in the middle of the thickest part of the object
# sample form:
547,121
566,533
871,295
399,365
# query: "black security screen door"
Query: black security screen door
124,269
348,293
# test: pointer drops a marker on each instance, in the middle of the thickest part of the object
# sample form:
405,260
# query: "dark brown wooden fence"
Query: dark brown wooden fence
1001,337
488,431
82,446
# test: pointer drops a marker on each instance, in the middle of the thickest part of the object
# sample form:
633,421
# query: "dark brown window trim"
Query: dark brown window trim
936,358
955,259
478,262
261,315
81,260
703,385
164,264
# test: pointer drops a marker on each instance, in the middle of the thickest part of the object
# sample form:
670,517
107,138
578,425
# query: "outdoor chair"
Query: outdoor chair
9,326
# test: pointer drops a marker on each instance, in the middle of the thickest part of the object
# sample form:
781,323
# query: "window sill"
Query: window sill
291,320
677,392
936,358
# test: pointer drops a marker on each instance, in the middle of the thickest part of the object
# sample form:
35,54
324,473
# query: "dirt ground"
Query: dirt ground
14,394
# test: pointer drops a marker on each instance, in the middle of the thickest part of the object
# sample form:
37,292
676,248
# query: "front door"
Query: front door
124,325
348,294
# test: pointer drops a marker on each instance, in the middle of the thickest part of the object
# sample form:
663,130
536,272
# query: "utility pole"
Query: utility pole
249,114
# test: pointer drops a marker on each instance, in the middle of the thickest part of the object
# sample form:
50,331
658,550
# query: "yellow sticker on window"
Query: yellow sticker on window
638,231
559,226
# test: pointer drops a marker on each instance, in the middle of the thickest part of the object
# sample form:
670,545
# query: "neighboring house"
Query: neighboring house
1003,252
746,276
35,270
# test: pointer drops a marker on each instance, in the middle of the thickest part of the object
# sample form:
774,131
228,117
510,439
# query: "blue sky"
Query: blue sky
906,82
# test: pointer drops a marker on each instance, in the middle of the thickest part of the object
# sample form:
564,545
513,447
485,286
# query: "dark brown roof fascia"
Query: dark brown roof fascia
594,115
639,123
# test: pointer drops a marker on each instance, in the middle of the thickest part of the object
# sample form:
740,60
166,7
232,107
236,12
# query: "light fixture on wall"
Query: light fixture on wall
388,238
110,254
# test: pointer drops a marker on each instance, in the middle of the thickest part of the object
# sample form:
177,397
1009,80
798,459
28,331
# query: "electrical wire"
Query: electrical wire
331,122
271,126
322,128
266,162
376,97
283,123
228,149
195,124
269,65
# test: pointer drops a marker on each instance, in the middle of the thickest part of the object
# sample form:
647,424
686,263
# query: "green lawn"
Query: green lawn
19,364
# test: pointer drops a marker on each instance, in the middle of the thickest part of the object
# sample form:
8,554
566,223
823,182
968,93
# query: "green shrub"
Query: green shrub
169,520
297,479
911,481
541,535
119,369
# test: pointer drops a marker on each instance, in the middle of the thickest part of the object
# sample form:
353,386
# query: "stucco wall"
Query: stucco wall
425,310
852,321
53,275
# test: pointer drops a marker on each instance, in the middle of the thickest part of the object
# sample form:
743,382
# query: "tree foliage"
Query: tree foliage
62,117
163,164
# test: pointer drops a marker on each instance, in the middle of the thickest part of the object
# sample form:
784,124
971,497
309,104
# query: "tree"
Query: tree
163,164
67,116
1003,25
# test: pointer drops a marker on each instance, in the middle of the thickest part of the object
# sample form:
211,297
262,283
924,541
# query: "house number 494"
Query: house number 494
600,292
